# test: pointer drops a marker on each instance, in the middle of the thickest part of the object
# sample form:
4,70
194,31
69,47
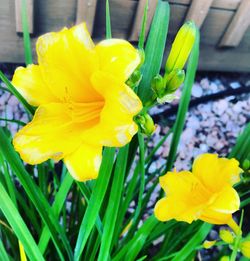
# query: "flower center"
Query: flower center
87,113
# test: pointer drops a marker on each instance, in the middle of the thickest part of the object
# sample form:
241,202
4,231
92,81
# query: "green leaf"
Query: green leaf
15,92
36,196
26,34
184,102
113,204
95,202
143,27
60,198
133,247
108,21
154,50
18,225
3,254
242,146
195,241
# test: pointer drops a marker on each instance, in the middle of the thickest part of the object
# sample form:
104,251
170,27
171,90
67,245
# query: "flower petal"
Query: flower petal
216,172
29,82
116,126
214,217
84,163
118,57
227,201
50,134
67,59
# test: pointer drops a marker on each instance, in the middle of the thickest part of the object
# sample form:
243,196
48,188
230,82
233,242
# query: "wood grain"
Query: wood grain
238,26
30,15
136,27
85,12
221,4
52,15
198,11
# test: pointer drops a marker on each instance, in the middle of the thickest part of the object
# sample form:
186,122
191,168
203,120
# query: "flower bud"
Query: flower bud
158,85
208,244
145,123
181,47
226,236
174,80
225,258
134,79
245,248
246,164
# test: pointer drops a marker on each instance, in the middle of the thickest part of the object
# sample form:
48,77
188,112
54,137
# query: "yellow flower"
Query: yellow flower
206,193
83,101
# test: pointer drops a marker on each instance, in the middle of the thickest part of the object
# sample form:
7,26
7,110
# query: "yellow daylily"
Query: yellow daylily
206,193
82,99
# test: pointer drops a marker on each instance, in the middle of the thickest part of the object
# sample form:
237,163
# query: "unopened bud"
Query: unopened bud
145,123
181,47
174,80
134,79
226,236
246,164
158,85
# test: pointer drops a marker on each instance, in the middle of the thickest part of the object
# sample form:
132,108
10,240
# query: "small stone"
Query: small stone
220,107
235,85
197,90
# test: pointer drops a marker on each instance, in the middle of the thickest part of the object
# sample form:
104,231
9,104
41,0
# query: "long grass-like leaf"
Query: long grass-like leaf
36,196
114,200
26,34
184,102
108,21
95,202
18,225
3,254
57,206
143,27
195,241
14,91
154,50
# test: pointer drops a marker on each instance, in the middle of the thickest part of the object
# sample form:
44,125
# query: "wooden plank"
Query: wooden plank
198,11
221,4
238,26
30,14
136,27
85,11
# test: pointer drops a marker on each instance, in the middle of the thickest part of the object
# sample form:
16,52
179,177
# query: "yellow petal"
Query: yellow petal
118,57
67,59
216,172
29,82
51,134
84,163
214,217
170,208
116,126
227,201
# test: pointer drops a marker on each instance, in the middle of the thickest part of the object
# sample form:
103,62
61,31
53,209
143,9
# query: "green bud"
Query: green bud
246,164
158,85
134,79
174,80
181,47
145,123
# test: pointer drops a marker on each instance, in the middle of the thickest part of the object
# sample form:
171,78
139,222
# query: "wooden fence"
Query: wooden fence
224,24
